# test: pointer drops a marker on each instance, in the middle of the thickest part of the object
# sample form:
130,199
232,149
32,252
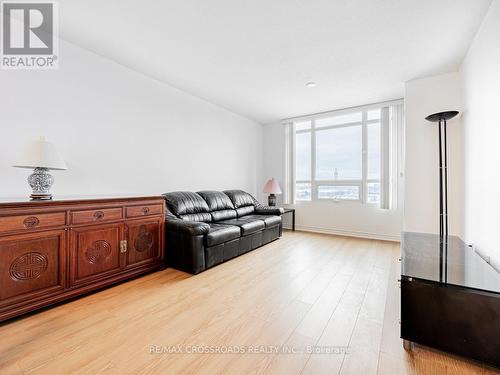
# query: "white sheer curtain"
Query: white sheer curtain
385,151
396,159
289,191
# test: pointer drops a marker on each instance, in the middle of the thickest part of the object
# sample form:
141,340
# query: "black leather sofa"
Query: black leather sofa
209,227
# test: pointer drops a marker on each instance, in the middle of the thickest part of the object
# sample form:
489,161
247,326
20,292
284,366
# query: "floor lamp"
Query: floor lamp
441,118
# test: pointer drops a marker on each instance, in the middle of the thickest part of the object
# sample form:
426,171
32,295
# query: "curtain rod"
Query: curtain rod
347,109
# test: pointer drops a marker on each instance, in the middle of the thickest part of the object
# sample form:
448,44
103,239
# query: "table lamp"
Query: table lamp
272,188
41,156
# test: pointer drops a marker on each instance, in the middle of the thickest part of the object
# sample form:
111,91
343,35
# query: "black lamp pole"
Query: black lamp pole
441,118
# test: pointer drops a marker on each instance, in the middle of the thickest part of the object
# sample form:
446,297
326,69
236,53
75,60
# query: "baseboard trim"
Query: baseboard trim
348,233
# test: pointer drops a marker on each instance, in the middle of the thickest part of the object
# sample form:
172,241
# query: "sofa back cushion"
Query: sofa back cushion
219,204
188,206
243,202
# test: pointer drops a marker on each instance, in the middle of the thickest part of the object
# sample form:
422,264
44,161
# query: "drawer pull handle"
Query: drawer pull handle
31,222
123,246
98,215
145,210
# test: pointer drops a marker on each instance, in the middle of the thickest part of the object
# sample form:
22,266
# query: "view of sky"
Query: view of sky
338,153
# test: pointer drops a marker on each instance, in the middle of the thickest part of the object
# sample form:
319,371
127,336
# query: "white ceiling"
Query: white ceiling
254,57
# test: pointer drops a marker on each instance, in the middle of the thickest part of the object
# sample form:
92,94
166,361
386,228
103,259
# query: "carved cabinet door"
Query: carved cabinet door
95,253
32,266
143,241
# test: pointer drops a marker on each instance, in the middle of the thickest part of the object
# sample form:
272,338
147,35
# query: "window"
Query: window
338,192
302,125
342,156
303,191
339,153
373,192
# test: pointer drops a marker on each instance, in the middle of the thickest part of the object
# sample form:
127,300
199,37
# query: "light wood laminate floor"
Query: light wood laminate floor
301,292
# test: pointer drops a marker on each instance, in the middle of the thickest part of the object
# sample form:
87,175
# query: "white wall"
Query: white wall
344,218
422,98
480,74
121,132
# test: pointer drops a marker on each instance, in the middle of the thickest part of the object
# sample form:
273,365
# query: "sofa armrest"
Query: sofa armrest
193,228
268,210
260,209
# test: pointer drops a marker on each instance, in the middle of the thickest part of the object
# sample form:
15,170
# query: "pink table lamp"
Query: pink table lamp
272,188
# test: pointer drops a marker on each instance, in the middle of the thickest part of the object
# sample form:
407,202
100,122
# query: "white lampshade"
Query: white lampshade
272,187
40,154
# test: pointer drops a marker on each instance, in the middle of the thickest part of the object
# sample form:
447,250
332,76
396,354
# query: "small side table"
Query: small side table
290,210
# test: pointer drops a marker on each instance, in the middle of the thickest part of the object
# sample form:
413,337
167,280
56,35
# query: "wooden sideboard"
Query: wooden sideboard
54,250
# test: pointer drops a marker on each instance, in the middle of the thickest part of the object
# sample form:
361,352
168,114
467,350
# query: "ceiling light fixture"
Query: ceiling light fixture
310,84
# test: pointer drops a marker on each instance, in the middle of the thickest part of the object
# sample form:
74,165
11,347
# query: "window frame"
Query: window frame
364,181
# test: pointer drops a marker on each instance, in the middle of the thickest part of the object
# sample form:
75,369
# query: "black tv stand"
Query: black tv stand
450,298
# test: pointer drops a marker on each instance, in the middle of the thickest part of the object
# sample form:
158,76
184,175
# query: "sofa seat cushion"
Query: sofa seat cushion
269,220
220,233
248,226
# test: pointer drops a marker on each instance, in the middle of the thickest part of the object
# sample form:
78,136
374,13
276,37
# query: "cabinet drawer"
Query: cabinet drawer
145,210
35,221
96,216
